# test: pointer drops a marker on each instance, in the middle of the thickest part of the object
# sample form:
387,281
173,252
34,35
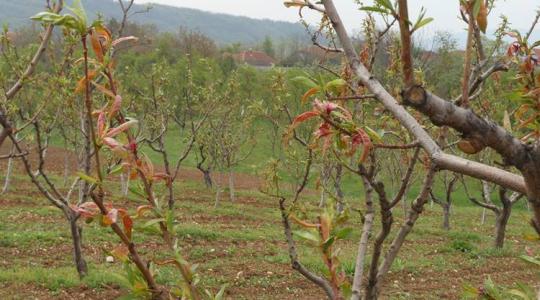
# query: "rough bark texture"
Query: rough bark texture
446,217
363,244
500,227
526,158
76,236
414,213
207,178
386,224
8,172
483,133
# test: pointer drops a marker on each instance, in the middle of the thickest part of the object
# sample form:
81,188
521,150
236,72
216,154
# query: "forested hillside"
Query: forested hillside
221,28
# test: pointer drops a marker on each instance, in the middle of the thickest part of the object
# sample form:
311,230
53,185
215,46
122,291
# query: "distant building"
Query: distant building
257,59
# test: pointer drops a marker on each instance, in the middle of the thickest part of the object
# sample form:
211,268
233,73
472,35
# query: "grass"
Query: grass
242,244
60,278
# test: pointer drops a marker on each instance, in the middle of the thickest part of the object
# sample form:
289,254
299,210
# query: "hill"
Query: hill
222,28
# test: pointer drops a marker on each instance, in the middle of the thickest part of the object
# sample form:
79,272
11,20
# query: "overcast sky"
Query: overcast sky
445,12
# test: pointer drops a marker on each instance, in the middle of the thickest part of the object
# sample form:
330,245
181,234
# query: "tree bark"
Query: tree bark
76,236
500,227
526,159
207,178
446,216
8,172
363,244
386,223
218,190
414,213
502,218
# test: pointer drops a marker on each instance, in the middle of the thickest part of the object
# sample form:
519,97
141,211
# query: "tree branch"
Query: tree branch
406,55
321,282
37,56
441,159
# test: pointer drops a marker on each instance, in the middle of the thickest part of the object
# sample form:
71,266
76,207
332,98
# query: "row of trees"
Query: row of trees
386,109
124,107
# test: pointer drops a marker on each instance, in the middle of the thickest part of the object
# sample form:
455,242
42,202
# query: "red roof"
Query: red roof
254,58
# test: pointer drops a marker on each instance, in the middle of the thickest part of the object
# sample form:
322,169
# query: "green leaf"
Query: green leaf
387,4
152,222
137,190
221,293
374,9
169,215
308,235
476,7
79,11
470,292
520,294
87,178
47,17
336,85
344,233
530,259
374,135
491,289
328,243
422,23
116,170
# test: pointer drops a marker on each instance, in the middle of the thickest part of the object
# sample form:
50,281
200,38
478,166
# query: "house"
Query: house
257,59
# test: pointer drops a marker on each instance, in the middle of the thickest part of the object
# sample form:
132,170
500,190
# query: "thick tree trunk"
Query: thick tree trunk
446,217
444,113
207,178
8,173
218,190
76,236
416,209
363,244
500,226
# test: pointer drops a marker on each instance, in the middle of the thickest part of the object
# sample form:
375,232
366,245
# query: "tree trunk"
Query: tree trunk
8,172
207,178
76,235
231,185
446,218
416,209
363,244
500,226
218,190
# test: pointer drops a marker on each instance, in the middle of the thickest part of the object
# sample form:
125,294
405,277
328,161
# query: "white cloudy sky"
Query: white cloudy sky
445,12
